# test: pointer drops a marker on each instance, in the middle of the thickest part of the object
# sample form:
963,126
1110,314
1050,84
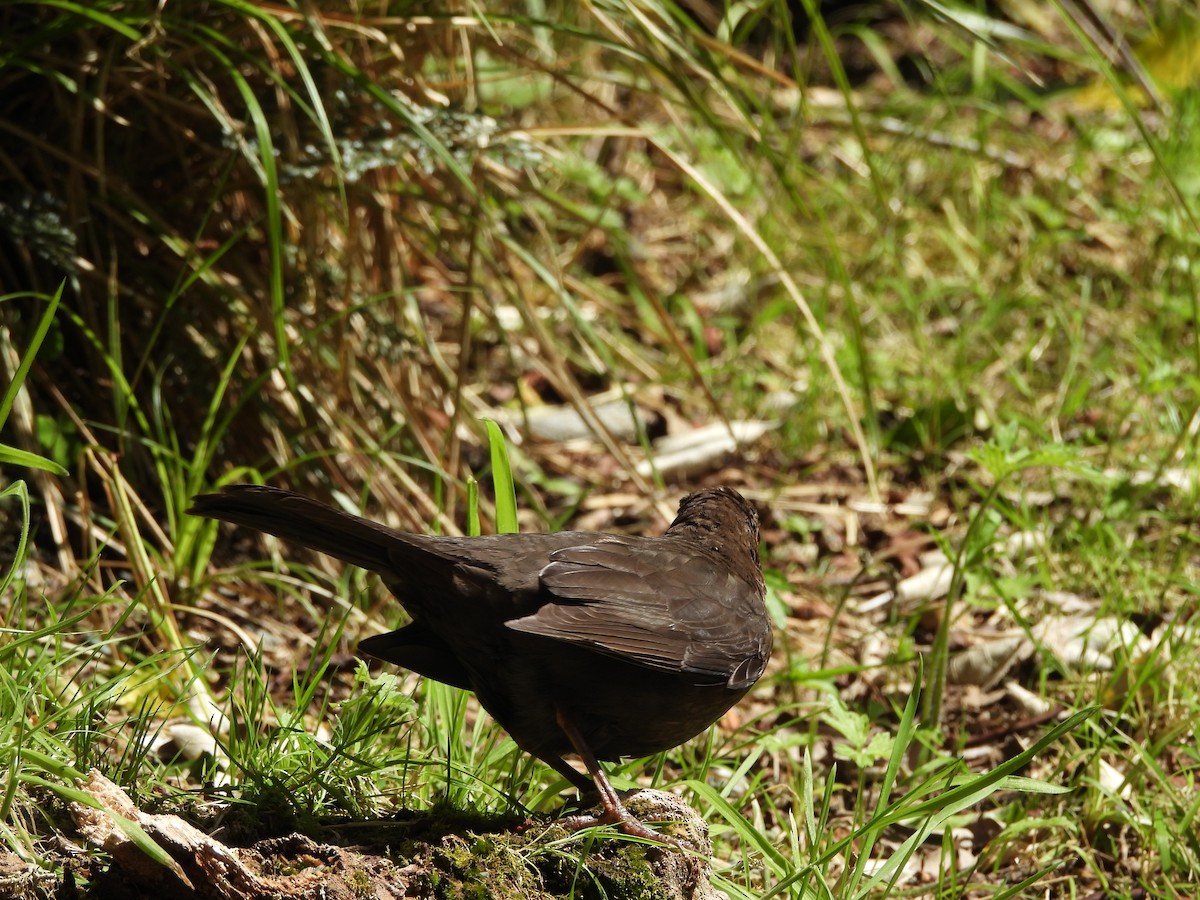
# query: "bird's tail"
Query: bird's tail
307,522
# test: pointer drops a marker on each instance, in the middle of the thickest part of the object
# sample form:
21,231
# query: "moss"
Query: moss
616,870
359,881
502,866
483,868
627,874
454,855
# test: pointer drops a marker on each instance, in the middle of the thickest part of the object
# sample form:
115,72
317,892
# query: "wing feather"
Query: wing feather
690,617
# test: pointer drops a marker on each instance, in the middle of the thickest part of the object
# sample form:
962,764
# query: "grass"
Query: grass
950,258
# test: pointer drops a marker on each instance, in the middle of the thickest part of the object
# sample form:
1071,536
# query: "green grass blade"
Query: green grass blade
502,480
473,528
12,455
39,334
129,828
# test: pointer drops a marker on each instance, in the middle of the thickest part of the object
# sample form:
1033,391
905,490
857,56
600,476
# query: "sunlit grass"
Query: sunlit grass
320,249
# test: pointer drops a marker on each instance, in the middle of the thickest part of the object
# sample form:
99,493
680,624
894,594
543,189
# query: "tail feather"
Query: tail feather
307,522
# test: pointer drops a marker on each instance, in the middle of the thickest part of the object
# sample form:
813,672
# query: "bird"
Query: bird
585,644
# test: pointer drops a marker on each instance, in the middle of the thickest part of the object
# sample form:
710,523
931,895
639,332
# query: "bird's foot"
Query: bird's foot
652,806
613,812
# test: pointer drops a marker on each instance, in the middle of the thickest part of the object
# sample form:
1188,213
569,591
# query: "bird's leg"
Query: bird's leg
615,812
581,782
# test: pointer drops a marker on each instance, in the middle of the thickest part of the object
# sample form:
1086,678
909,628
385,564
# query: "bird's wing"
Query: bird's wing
656,603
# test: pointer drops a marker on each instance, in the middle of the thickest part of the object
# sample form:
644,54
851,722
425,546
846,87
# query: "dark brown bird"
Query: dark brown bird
601,645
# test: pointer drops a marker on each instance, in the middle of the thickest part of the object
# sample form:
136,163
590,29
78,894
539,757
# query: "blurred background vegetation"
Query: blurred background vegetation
347,234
